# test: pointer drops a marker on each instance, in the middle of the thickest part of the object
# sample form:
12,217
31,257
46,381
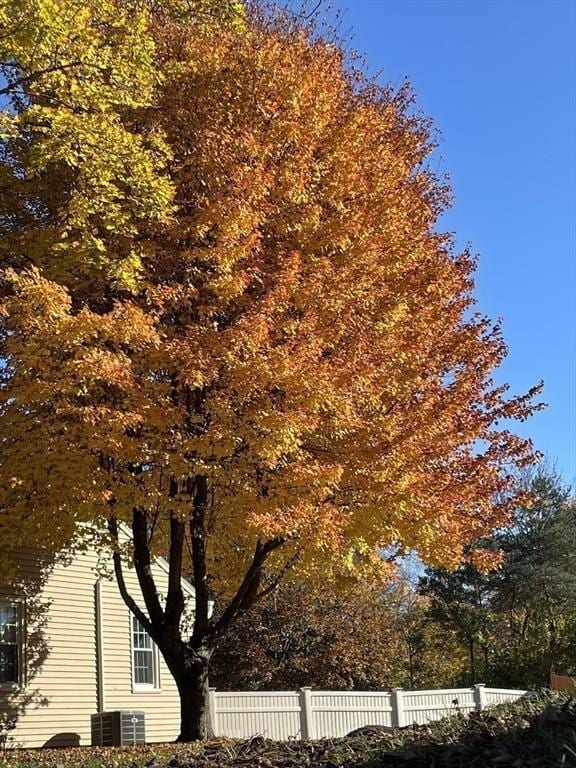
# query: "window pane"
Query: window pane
8,624
7,614
8,663
143,655
142,640
143,668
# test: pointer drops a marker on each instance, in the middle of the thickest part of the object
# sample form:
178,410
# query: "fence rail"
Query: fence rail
311,714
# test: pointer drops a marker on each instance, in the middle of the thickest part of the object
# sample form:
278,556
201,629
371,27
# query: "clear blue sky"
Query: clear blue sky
498,79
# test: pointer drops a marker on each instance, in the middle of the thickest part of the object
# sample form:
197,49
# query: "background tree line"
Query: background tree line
504,627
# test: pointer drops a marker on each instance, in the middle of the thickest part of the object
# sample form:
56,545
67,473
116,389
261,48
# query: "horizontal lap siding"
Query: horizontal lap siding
62,680
61,677
161,707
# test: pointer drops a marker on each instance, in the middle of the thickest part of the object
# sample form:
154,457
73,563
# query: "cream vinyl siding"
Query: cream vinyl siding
59,691
161,705
61,663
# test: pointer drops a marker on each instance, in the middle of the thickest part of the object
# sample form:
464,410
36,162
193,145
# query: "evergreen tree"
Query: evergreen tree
461,601
518,620
536,591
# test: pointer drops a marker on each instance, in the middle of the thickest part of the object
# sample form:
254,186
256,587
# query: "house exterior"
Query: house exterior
69,647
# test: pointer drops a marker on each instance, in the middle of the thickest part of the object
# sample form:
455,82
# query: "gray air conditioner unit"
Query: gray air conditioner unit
122,728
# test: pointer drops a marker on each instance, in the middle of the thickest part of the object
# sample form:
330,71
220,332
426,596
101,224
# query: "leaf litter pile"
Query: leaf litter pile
529,734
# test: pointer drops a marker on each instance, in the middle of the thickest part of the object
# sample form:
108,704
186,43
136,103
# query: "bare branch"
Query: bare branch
248,590
119,573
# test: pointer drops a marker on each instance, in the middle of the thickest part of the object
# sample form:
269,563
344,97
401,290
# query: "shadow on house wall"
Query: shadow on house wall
26,574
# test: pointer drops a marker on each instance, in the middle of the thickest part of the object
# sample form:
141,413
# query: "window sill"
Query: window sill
145,689
12,687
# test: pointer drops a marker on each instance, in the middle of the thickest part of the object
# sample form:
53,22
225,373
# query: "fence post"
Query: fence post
480,697
306,716
212,714
397,701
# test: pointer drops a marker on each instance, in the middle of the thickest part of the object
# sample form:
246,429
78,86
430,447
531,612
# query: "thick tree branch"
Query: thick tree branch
248,590
143,566
275,582
119,573
175,598
199,567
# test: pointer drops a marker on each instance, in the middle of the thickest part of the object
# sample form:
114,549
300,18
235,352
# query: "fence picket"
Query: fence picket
311,714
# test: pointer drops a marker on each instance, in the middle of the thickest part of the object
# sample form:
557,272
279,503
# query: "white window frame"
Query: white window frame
7,600
153,687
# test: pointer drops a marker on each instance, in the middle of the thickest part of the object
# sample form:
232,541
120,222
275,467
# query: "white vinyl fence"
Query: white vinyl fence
310,714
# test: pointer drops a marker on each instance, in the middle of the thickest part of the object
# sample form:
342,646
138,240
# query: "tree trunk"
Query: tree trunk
195,719
411,665
187,660
472,652
486,663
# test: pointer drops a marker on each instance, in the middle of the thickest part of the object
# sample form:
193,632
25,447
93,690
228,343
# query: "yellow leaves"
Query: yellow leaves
237,275
82,66
232,12
44,300
125,274
101,365
97,44
118,175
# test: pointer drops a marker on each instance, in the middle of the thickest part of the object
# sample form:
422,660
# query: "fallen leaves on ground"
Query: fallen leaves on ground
527,734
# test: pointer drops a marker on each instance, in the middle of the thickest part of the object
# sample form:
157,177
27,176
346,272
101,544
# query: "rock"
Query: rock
371,730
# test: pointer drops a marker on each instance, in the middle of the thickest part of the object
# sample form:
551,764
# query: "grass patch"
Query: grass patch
526,734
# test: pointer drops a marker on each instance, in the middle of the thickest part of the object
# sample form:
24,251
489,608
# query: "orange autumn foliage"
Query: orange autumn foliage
300,334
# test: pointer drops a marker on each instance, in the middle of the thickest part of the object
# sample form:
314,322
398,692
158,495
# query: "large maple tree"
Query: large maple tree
229,321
